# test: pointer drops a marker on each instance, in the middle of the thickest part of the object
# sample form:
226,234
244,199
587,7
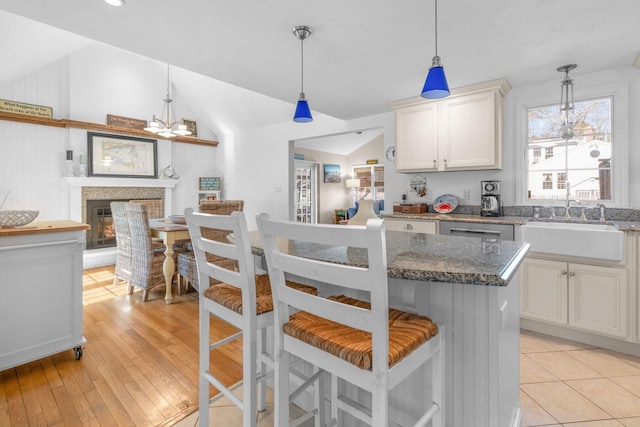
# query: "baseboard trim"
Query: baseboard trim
567,333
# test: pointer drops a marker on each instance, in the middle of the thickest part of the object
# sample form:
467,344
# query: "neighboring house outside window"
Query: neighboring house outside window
561,180
582,162
548,153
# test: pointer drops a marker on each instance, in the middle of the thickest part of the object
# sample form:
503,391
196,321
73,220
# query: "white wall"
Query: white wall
86,86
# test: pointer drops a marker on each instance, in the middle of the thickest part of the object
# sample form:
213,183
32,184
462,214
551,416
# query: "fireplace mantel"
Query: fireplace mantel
77,183
80,182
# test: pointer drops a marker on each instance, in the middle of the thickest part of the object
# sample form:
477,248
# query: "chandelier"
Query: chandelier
167,127
567,103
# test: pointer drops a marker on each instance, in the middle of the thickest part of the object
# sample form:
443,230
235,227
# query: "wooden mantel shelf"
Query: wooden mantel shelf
65,123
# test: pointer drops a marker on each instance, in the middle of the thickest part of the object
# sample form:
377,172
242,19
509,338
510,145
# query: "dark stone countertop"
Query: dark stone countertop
428,257
513,220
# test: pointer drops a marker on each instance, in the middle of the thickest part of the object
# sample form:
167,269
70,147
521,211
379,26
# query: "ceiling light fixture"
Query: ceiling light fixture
115,2
303,113
567,103
167,127
436,85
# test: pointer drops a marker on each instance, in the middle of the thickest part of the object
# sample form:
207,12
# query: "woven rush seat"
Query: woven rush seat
231,297
406,332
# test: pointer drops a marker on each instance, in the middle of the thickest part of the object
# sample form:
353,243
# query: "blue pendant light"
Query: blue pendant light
303,113
436,85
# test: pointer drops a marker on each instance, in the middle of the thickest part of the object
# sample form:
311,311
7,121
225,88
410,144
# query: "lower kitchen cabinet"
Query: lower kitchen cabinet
415,226
587,297
543,290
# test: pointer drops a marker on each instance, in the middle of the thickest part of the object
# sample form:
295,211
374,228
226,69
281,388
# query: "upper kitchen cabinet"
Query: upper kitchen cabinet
460,132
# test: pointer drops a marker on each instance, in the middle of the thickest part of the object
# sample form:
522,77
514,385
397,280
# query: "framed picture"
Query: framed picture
192,126
331,173
209,183
121,156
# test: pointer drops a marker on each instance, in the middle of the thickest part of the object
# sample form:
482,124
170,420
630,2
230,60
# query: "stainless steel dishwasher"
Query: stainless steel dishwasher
477,229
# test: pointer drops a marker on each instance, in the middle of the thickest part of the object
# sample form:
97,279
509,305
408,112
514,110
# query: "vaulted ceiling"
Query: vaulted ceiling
362,53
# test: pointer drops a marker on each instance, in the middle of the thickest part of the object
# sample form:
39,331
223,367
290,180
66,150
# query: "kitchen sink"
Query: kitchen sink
589,240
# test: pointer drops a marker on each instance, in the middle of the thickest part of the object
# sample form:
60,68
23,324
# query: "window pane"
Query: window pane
582,162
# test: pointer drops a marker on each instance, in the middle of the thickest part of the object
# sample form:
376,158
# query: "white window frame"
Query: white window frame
620,147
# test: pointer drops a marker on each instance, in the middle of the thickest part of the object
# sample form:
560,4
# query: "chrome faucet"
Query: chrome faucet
603,210
566,206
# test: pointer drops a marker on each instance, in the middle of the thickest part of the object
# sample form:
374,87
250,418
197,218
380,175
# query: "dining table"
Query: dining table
168,231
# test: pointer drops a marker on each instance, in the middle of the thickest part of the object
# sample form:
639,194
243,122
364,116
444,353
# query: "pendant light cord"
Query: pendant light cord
436,27
301,65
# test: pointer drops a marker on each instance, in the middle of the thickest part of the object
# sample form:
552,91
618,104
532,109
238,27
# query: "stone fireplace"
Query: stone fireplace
82,189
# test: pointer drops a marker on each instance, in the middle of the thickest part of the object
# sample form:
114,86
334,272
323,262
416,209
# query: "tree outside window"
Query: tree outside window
583,162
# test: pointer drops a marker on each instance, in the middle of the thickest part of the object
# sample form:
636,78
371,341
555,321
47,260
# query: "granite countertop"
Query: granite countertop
428,257
513,220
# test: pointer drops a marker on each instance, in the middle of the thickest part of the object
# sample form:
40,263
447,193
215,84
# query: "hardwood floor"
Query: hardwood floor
139,366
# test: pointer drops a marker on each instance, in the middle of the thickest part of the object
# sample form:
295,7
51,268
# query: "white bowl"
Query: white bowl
17,218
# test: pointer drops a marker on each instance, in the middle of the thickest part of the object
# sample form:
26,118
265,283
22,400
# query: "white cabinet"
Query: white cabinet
598,299
543,290
461,132
587,297
415,226
41,286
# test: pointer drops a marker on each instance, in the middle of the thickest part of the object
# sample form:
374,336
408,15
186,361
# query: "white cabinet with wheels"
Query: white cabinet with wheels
415,226
587,297
461,132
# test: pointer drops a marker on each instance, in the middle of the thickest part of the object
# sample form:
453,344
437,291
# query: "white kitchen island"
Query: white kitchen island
469,286
40,291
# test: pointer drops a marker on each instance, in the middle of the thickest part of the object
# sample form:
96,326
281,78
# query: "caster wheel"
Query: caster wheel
78,352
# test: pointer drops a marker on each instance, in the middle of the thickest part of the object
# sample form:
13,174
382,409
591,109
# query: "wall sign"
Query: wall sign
126,122
26,109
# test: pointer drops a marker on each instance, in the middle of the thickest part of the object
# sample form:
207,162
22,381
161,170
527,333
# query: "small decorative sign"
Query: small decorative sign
209,184
26,109
191,126
372,162
126,122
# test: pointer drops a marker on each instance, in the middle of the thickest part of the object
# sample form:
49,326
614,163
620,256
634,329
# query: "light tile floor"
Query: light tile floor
562,383
565,383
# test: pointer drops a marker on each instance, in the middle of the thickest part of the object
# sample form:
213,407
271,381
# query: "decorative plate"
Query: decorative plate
445,203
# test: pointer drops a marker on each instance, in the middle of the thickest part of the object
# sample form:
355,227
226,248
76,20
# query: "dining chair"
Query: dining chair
364,342
147,256
155,207
186,261
242,299
122,272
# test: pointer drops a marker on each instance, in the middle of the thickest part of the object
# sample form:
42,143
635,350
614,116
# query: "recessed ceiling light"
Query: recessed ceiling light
115,2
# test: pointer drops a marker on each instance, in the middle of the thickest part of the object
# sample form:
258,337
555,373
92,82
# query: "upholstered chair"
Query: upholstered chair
365,212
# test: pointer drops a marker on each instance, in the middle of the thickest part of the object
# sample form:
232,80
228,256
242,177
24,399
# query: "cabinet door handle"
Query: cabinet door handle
572,274
408,227
435,163
564,273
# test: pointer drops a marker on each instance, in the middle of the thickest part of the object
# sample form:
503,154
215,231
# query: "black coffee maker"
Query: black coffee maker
490,204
